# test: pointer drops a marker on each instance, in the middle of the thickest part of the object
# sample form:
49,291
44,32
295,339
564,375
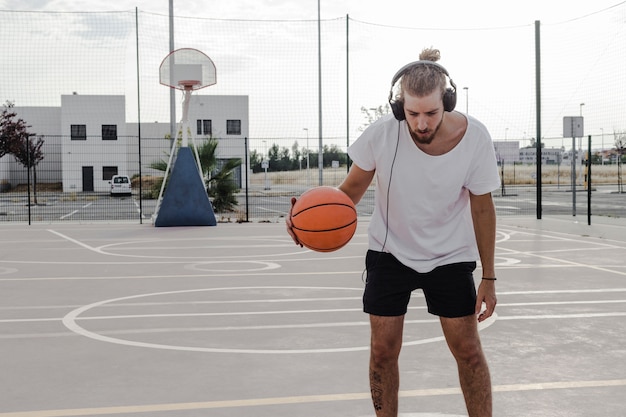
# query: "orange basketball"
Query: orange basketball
324,219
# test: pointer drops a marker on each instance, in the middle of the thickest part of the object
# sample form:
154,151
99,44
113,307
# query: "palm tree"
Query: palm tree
219,181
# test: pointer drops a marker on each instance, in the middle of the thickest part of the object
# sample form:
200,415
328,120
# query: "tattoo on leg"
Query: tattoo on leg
377,390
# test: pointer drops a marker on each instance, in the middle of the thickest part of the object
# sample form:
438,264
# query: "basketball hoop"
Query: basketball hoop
185,69
189,84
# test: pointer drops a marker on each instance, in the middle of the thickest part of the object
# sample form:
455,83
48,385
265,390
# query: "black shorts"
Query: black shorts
449,289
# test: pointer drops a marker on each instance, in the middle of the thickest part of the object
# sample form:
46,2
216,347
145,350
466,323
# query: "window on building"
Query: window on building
109,132
233,127
203,127
78,132
108,172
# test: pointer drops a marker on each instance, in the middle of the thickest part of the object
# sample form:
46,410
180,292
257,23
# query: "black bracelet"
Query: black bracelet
490,279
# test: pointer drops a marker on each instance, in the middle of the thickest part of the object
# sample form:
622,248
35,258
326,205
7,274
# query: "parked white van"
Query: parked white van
120,185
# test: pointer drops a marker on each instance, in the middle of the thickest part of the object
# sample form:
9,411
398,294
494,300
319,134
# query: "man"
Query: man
434,217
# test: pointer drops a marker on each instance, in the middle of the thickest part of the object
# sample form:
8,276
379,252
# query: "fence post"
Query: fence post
245,155
589,180
538,111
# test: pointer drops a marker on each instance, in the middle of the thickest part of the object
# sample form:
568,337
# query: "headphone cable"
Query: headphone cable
393,162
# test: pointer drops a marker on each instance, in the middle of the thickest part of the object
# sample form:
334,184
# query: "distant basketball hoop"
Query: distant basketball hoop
186,69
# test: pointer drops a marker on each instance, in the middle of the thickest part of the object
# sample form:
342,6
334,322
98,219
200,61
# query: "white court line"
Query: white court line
143,216
305,399
314,299
582,291
301,300
101,250
548,234
562,261
294,326
195,302
70,322
317,311
177,276
284,327
78,242
75,211
563,316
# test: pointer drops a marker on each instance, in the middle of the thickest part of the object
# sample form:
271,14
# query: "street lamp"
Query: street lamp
308,179
466,99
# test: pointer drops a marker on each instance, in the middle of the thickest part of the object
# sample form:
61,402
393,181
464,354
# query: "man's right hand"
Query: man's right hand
290,225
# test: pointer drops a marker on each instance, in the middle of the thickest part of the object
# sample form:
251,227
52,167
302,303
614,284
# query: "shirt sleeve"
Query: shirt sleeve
360,151
373,142
484,177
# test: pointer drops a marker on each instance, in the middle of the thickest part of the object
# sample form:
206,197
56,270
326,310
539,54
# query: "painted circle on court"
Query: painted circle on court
502,261
71,322
502,236
237,266
227,246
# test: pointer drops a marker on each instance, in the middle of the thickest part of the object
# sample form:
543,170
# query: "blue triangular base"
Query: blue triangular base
185,202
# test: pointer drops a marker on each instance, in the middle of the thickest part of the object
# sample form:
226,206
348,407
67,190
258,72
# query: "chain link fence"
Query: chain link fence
297,108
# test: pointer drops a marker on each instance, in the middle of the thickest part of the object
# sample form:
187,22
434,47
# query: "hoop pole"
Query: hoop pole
185,120
185,123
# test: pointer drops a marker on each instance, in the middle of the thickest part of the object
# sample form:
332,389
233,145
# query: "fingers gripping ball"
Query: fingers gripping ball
324,219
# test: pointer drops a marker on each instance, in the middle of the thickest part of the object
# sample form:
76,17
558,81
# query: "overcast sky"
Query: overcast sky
427,14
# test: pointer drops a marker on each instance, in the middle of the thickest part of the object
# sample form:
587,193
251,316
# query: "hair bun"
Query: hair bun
430,54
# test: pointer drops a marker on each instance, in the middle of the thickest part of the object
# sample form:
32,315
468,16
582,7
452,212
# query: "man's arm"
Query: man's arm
356,182
484,218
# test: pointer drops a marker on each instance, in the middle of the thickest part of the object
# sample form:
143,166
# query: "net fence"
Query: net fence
304,108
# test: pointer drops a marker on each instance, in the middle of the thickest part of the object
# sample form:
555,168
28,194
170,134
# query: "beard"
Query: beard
425,137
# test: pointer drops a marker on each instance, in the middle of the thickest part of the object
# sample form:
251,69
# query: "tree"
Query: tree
12,132
255,161
373,114
297,154
29,154
218,180
15,139
334,154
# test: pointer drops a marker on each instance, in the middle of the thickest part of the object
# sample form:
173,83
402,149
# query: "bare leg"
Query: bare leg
386,343
464,343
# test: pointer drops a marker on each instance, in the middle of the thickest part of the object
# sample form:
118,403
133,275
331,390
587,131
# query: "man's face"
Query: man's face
423,116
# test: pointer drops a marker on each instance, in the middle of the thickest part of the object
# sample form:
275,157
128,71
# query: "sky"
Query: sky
450,13
481,15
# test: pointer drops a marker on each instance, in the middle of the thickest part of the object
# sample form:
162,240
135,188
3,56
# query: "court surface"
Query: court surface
235,320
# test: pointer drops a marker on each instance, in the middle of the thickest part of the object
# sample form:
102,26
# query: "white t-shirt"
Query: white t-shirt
427,222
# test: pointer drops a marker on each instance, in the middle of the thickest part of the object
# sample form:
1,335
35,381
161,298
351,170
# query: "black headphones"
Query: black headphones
449,96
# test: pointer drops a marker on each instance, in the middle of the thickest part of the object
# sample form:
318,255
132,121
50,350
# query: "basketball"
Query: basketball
324,219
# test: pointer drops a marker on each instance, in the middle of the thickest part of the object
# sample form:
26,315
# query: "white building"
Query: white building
507,152
87,139
549,156
93,131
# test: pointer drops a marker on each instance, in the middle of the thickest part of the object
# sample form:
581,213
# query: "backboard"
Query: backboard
187,69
